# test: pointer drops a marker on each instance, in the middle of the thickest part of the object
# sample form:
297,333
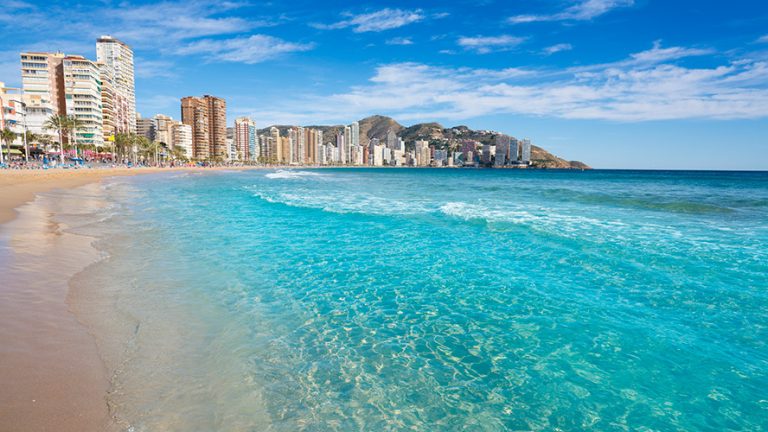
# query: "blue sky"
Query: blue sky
615,83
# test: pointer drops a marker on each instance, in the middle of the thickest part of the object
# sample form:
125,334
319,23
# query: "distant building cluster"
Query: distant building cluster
100,96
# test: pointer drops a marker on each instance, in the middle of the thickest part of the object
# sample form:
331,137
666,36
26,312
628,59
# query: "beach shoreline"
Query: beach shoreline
52,372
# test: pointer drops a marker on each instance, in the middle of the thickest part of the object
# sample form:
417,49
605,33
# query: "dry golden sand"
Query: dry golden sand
51,375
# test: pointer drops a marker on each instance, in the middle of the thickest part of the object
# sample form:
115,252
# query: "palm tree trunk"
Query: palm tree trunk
61,146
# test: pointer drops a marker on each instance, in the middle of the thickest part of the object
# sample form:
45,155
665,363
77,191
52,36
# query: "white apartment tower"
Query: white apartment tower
41,78
82,98
354,139
117,58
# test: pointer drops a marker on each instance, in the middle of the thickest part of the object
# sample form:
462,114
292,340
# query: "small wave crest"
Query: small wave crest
345,203
292,175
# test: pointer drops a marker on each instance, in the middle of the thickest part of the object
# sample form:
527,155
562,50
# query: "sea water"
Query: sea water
418,299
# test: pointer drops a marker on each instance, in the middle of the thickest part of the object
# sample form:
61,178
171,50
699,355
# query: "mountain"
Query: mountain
377,126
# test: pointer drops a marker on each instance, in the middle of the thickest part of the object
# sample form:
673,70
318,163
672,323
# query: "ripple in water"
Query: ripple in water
438,300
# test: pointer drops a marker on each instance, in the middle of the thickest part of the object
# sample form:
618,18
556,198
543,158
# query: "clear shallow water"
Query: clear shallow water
435,300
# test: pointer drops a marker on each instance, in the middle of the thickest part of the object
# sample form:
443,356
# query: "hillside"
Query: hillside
378,126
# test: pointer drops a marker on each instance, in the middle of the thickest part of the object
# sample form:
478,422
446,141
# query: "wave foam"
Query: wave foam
292,175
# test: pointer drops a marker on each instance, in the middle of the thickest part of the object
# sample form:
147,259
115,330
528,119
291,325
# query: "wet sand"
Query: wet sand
52,377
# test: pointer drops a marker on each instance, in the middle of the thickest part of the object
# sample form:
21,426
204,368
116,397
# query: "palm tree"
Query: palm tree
8,136
178,153
30,137
144,146
60,124
123,142
73,124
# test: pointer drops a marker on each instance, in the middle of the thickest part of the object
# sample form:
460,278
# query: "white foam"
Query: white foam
345,203
292,174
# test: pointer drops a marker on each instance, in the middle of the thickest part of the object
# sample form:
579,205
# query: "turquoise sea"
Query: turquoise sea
433,300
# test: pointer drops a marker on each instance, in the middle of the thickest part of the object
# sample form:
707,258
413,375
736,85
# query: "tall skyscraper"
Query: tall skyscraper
245,138
276,146
301,141
82,98
208,118
341,146
514,150
117,60
526,156
354,139
217,126
391,139
107,102
502,149
43,86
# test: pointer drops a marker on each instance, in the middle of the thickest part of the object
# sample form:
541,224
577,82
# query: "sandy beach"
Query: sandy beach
51,374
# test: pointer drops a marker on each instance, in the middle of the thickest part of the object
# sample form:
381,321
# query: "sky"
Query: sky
648,84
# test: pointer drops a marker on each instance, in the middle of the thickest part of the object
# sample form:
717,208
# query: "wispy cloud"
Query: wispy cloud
763,39
146,68
385,19
557,48
488,44
581,10
399,41
639,88
248,50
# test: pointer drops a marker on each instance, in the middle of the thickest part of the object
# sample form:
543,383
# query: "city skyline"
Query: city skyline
547,70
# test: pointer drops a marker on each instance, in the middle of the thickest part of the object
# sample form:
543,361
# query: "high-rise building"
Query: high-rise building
107,102
194,112
514,150
246,139
285,149
117,60
301,144
82,99
526,156
217,126
422,153
43,86
145,127
181,136
502,150
275,145
342,147
391,139
354,138
208,118
162,129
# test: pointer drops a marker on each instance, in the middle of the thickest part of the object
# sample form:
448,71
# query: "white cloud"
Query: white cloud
763,39
399,41
557,48
385,19
632,90
582,10
162,25
154,68
249,50
487,44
